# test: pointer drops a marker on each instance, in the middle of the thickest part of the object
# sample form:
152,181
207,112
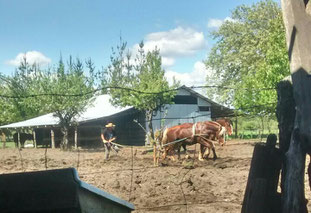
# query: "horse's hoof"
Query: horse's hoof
201,159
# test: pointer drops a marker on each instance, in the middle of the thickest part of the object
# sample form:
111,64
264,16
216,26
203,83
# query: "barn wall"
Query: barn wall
182,113
43,136
128,132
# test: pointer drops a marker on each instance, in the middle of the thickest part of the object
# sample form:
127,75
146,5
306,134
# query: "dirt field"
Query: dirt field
210,186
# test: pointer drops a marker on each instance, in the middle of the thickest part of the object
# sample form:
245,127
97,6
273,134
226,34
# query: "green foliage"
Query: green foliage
58,90
71,80
8,144
143,73
250,53
68,81
256,126
23,82
7,109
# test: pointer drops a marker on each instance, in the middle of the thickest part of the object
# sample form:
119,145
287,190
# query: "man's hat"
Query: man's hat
110,125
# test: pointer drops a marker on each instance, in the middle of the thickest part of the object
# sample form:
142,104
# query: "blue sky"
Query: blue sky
89,28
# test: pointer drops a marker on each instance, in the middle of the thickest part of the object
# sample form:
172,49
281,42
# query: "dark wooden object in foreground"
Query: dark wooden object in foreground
261,190
55,191
297,21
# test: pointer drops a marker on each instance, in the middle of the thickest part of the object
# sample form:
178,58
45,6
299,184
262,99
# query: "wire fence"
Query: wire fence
138,169
177,180
131,90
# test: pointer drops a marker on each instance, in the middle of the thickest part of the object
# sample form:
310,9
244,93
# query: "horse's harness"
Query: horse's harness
193,129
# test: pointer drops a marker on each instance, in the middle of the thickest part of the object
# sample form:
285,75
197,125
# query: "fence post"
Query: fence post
285,113
34,138
53,139
261,190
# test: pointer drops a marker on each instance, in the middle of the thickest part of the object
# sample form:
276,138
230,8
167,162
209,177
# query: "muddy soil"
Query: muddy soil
209,186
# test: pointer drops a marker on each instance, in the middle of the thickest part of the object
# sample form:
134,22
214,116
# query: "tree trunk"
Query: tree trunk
3,138
236,128
65,145
150,126
19,140
150,129
76,138
262,127
268,124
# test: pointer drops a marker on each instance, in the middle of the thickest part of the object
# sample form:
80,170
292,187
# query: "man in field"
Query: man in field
108,135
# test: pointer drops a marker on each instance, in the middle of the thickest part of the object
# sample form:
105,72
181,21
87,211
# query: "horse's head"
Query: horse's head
229,126
227,123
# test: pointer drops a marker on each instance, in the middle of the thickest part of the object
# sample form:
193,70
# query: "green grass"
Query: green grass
8,144
248,134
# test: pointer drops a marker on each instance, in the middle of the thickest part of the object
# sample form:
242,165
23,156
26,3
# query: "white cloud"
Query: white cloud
167,62
32,57
195,78
216,23
175,43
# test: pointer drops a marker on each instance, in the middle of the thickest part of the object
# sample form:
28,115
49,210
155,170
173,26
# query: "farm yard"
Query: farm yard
209,186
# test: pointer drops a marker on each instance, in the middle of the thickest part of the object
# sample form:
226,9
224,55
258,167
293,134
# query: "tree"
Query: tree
24,82
147,89
7,115
250,54
63,90
71,91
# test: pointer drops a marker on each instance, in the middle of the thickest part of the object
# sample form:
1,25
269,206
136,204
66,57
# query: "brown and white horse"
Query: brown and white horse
227,129
203,133
227,123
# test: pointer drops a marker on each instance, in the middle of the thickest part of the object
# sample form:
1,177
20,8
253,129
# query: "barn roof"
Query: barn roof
100,108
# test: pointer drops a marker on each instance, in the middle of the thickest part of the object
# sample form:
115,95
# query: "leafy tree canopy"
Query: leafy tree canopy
250,54
23,82
63,90
75,83
142,73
